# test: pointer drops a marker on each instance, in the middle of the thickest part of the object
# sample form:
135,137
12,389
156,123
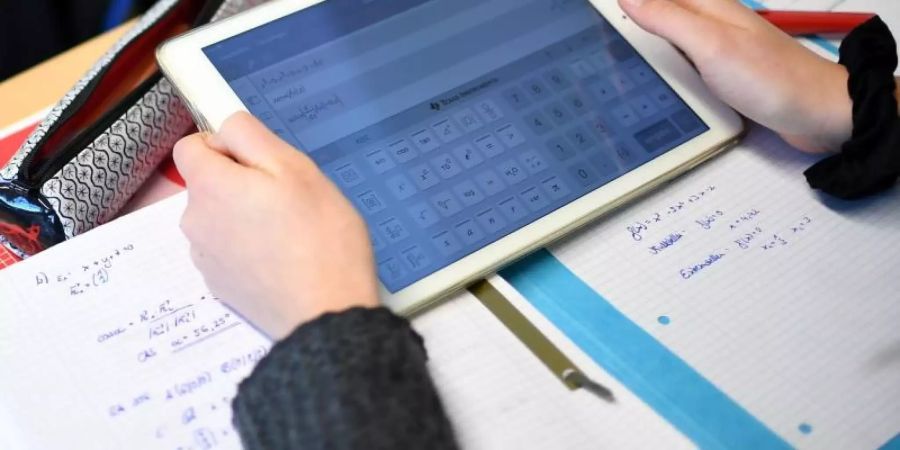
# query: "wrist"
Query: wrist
830,111
838,109
819,114
336,298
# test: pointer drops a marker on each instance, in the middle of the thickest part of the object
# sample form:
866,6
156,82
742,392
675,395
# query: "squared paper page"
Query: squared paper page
112,341
8,430
788,302
500,396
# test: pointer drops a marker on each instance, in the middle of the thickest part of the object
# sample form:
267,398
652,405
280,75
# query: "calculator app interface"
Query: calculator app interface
452,123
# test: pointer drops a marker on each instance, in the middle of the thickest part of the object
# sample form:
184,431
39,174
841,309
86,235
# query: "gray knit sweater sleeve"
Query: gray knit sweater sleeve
351,380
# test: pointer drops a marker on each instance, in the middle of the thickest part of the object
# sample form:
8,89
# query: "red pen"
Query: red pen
804,23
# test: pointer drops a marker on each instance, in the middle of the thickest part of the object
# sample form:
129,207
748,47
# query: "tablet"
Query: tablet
466,132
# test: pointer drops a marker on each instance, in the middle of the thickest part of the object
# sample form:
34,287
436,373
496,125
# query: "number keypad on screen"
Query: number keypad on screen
469,172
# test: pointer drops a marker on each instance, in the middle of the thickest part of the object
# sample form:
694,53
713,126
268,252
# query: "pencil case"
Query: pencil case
104,138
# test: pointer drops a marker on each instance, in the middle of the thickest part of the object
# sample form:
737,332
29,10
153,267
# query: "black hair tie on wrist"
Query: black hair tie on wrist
870,161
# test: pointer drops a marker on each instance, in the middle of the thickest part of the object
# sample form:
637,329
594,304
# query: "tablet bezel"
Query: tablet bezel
211,100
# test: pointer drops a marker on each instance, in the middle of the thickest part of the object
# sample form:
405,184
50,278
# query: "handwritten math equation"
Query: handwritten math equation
310,112
728,232
290,75
170,328
88,275
639,228
753,236
198,406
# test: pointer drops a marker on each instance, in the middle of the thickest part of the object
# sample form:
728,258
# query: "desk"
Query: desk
41,86
802,420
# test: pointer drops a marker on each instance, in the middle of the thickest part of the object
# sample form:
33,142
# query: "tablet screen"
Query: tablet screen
453,123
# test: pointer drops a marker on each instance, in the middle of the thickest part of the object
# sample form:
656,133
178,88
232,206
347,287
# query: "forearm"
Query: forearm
344,381
836,112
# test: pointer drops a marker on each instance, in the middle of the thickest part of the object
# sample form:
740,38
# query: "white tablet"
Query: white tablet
466,132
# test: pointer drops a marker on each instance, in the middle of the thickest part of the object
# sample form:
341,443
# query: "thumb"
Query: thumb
203,167
251,144
692,32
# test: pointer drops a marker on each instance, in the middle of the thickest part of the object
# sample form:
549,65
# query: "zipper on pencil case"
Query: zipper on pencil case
32,178
64,156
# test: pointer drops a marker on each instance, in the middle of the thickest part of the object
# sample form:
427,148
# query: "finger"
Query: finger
189,155
194,222
249,142
694,33
202,166
201,262
728,11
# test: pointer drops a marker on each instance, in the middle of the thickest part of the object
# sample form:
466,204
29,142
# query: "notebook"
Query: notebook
111,340
773,306
766,349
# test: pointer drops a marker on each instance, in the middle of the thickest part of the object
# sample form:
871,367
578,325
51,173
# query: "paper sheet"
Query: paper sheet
112,341
501,397
787,301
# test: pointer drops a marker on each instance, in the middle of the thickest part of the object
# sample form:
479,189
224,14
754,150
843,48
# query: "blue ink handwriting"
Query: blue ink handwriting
689,272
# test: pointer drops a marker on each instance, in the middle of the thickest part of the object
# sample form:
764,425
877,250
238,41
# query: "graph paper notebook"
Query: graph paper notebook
783,305
112,340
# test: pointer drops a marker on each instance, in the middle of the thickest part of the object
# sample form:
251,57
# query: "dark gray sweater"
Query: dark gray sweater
353,380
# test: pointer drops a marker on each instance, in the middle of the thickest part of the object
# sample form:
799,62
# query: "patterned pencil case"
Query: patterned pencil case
104,138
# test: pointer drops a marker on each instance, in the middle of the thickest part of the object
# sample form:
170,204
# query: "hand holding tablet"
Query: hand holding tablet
249,176
466,133
744,61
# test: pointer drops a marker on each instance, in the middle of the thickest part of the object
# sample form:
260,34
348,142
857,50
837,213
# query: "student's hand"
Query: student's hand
754,67
273,237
